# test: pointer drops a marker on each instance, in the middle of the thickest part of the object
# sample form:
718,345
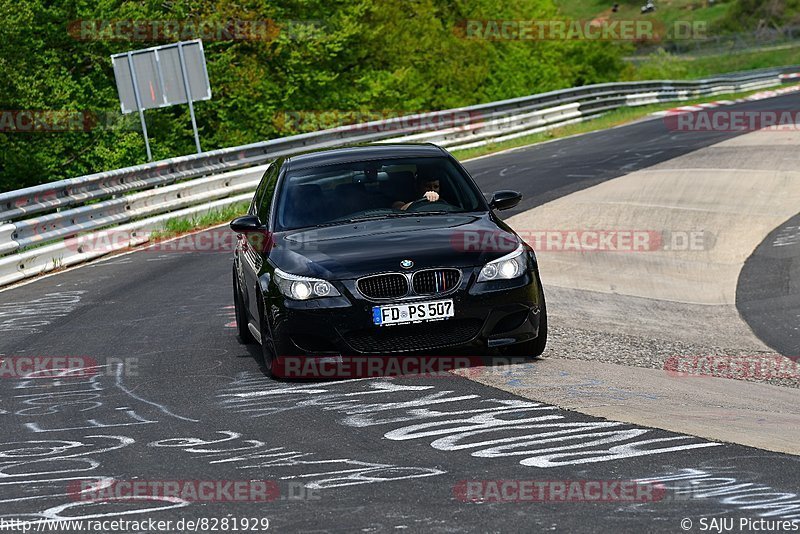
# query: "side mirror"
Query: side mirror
503,200
246,225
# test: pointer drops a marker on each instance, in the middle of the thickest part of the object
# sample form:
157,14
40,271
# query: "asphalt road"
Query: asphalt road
551,170
768,292
174,397
385,454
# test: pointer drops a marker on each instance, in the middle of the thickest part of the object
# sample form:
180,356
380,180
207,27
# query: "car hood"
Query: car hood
358,249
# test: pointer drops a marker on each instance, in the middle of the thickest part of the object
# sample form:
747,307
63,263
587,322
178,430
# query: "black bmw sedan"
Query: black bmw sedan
382,250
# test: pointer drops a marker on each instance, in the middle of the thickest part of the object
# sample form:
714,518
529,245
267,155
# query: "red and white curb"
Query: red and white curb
717,103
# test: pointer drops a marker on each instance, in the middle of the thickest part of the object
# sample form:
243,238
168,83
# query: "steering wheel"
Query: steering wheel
425,202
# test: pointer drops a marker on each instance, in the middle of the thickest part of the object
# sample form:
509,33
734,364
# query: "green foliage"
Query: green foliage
351,58
747,15
660,65
364,56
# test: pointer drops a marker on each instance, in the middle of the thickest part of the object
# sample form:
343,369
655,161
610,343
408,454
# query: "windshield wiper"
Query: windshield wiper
426,213
434,212
339,222
370,218
384,216
404,215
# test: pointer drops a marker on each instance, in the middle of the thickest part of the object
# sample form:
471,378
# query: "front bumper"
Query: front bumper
487,315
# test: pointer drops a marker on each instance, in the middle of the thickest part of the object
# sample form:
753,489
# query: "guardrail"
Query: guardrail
145,196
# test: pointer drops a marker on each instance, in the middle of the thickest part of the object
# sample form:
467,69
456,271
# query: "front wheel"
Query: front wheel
245,337
270,361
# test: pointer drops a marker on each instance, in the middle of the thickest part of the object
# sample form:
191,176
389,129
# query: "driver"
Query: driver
426,189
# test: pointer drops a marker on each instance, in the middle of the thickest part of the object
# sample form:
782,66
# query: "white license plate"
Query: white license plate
412,313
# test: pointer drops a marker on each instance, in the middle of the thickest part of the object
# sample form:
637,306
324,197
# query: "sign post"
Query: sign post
162,76
138,100
188,90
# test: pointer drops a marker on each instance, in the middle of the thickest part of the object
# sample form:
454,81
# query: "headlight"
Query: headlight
505,268
302,287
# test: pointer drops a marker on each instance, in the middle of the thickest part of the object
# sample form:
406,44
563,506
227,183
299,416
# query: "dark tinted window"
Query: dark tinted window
373,189
262,200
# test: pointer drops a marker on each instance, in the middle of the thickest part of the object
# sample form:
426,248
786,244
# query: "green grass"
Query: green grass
733,61
693,62
662,66
667,12
182,225
608,120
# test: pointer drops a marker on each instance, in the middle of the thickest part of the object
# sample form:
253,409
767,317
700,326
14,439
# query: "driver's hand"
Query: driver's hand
432,196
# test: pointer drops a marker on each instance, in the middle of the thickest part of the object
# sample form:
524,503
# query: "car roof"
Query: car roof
363,153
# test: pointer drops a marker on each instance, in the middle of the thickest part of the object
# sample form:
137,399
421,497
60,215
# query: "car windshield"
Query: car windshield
365,190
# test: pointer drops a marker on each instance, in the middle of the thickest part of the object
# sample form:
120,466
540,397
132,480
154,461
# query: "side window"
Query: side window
260,191
266,190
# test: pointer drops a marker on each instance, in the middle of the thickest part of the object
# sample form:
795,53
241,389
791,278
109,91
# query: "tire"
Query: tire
268,350
242,317
532,348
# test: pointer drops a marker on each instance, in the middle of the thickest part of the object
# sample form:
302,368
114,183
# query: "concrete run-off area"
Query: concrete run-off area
615,313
